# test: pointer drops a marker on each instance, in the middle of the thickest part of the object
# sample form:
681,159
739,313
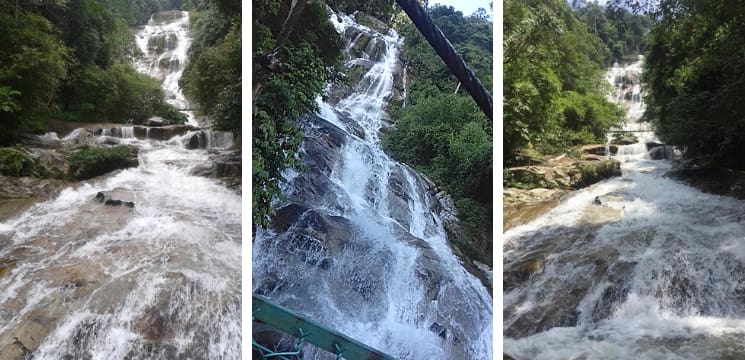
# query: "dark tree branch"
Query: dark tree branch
445,50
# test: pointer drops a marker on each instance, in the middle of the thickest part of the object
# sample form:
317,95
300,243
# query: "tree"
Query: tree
553,84
32,67
695,70
281,97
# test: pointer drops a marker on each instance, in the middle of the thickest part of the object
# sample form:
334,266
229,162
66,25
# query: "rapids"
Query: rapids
655,271
359,243
82,280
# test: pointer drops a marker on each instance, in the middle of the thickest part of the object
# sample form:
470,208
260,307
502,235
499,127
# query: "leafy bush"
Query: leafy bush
117,94
14,162
88,162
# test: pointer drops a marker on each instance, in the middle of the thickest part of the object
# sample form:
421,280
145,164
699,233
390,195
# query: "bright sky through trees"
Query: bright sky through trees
467,7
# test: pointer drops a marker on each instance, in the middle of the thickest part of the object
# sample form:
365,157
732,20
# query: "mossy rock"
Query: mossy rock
88,161
371,22
592,172
14,162
359,46
528,177
354,75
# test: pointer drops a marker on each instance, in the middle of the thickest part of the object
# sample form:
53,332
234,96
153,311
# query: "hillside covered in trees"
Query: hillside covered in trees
72,60
694,71
441,131
555,93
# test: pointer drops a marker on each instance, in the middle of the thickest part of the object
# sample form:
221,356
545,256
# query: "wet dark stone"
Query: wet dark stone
439,330
323,142
320,236
619,277
197,140
661,153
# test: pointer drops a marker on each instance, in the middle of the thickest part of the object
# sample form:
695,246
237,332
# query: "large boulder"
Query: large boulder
600,149
155,121
520,206
221,165
162,132
371,22
195,140
89,161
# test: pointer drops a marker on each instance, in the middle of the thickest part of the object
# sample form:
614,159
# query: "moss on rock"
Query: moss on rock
88,161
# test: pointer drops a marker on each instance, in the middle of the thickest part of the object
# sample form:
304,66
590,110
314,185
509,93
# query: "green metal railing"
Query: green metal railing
307,331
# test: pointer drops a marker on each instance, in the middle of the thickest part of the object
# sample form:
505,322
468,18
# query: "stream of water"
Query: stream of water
653,269
363,249
160,280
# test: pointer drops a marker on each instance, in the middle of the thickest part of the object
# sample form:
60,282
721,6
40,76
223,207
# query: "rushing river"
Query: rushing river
639,266
359,244
160,280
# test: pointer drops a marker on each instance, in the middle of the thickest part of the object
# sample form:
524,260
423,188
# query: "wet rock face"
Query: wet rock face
601,149
321,153
27,187
522,206
197,140
398,199
710,179
544,264
221,165
331,232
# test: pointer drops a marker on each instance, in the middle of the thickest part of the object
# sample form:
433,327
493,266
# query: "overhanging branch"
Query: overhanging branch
445,50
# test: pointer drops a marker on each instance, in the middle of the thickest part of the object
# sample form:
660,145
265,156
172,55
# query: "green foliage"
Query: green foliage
14,162
88,161
695,69
32,66
471,37
70,58
443,133
137,12
282,97
447,137
213,75
553,85
380,9
118,93
621,31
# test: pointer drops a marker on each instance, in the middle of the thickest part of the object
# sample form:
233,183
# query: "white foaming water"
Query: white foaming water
379,288
662,277
161,280
50,136
165,60
128,132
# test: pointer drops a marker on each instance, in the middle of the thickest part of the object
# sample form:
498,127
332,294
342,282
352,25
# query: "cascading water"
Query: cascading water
80,279
359,244
165,42
653,269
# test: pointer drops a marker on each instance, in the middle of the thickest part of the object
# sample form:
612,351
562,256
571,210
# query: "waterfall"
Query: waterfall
655,271
218,139
128,132
81,279
165,42
359,244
